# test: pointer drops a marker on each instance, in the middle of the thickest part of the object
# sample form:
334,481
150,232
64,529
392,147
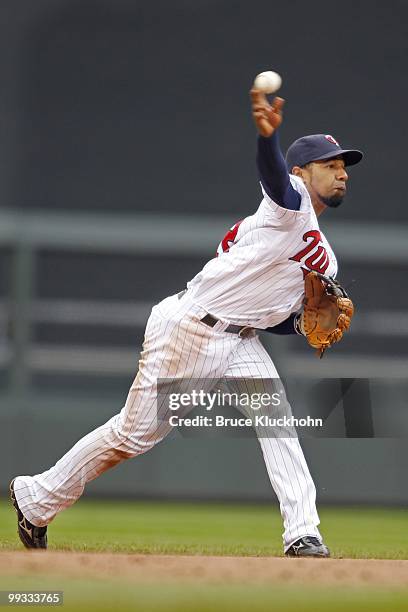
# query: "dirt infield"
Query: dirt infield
202,569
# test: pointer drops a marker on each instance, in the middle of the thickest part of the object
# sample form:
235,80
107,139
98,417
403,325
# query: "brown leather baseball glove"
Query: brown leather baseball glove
327,312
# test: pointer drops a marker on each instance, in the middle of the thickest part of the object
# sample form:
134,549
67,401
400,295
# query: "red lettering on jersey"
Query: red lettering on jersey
318,260
316,238
229,239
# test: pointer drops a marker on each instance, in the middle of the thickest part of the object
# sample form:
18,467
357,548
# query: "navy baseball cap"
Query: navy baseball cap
319,146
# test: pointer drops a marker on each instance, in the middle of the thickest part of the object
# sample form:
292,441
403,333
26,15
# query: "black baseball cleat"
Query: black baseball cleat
30,535
308,546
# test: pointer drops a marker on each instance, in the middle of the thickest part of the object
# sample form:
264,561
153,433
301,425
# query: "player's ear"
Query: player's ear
302,172
297,171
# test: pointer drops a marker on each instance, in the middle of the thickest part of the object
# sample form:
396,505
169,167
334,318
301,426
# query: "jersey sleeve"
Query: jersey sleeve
273,173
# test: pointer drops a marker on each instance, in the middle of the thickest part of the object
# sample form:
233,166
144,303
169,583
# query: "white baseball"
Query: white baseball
268,82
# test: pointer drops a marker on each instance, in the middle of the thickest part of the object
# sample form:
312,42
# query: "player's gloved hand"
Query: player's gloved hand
327,312
267,117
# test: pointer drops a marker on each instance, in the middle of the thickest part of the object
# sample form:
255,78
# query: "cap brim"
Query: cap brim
351,156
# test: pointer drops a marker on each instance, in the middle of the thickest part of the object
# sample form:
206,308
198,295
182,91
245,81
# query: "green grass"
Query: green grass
105,596
211,529
204,528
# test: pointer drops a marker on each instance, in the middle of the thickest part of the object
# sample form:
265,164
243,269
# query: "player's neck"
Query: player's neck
317,203
318,206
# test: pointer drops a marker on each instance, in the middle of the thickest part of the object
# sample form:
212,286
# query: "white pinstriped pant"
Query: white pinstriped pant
177,345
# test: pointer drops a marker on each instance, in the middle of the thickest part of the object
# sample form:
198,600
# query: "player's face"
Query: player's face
326,181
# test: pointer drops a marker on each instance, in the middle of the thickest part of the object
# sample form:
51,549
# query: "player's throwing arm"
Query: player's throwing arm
327,309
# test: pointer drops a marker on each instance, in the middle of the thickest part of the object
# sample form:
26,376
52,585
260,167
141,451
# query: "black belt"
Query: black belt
243,331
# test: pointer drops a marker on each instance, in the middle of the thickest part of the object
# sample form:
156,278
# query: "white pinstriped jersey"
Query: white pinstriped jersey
258,275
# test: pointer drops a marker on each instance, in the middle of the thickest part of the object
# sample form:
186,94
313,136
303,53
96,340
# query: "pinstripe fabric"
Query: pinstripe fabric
253,280
177,345
285,463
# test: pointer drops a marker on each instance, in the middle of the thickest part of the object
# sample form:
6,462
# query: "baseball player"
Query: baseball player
210,331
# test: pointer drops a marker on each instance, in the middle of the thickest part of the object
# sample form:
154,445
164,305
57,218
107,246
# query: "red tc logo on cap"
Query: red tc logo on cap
331,139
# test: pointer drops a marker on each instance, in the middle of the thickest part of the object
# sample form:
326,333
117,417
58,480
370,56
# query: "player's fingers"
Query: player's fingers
275,118
263,125
258,97
277,104
275,114
260,115
261,107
